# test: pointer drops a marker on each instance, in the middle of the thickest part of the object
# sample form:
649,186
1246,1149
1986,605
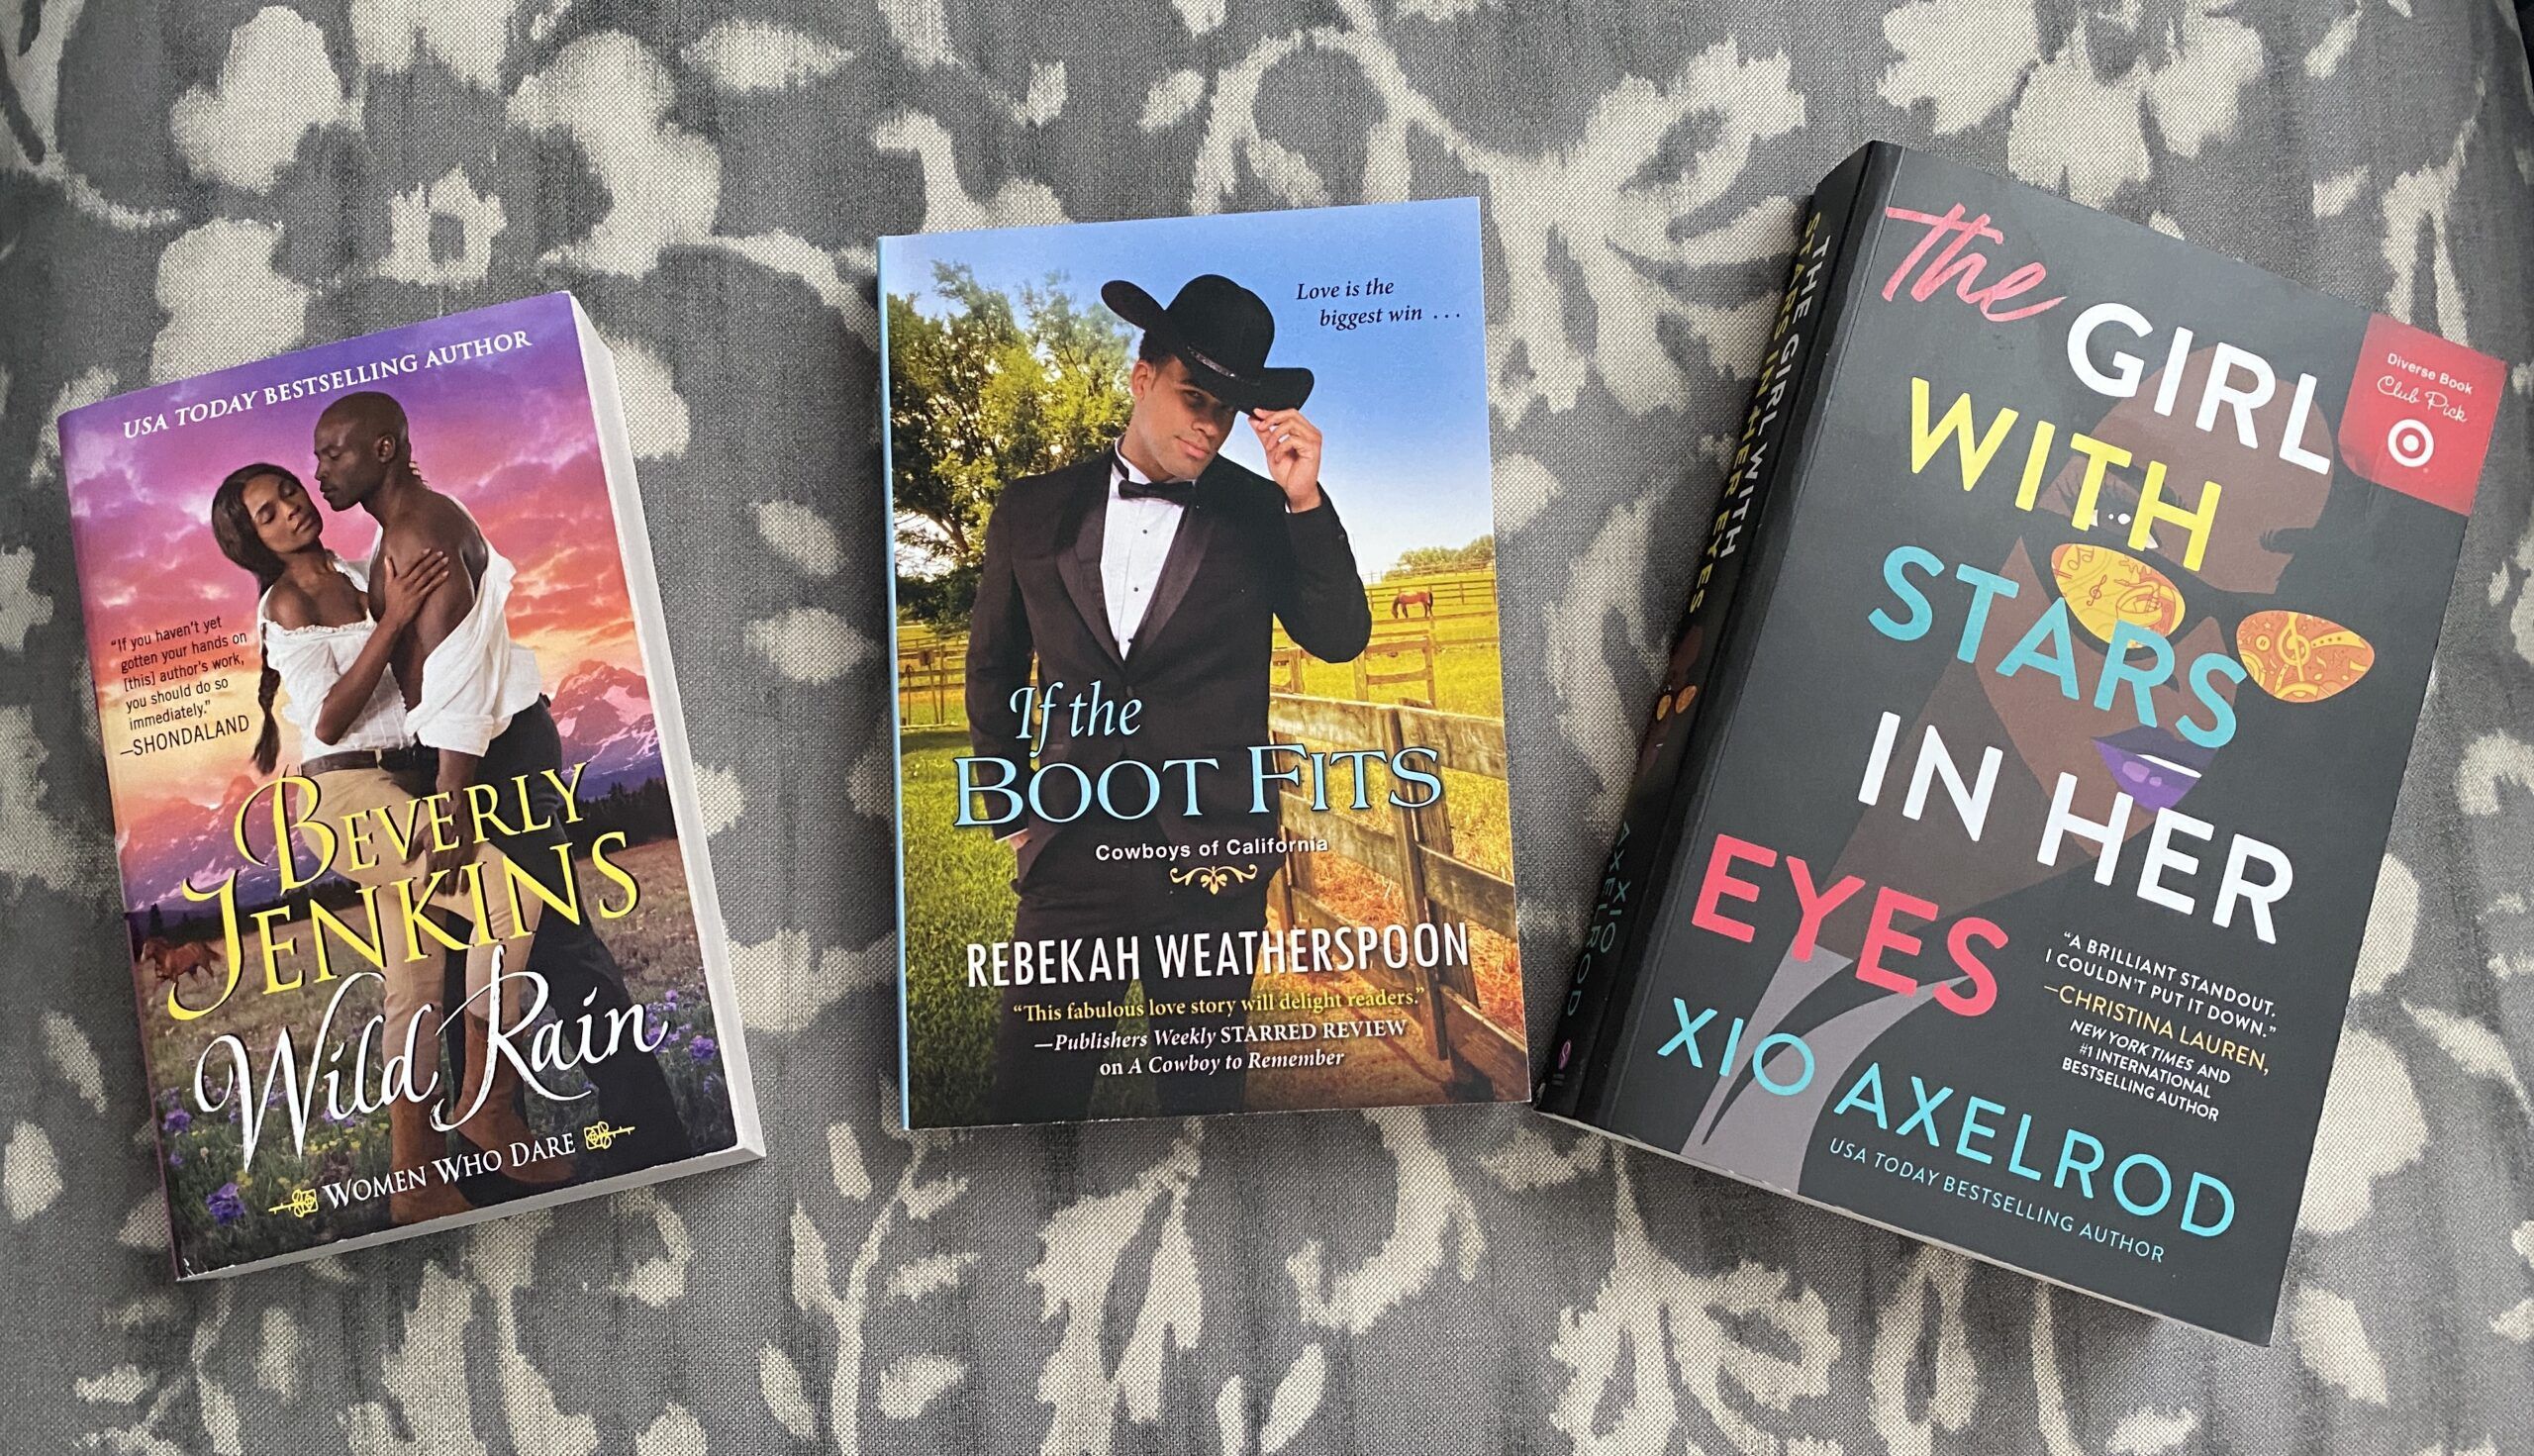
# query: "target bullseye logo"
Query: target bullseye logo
2419,413
2411,443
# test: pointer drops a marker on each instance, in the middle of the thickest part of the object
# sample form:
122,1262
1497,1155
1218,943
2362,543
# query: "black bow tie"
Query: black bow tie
1177,492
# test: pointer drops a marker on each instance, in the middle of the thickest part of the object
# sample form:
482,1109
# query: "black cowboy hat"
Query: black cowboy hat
1221,331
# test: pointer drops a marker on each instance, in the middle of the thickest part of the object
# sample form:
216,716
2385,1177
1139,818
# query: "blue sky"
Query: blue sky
1402,406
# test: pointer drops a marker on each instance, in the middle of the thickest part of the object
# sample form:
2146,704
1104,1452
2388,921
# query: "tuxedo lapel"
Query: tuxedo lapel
1078,558
1197,525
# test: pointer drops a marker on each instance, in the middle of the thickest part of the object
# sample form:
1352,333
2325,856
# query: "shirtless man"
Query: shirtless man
475,697
365,460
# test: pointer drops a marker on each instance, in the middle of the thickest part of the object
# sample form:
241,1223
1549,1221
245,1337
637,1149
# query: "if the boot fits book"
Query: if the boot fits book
2005,828
420,922
1201,788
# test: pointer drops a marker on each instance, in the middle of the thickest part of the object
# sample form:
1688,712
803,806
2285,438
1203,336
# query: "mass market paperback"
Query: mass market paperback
421,923
1201,721
2005,828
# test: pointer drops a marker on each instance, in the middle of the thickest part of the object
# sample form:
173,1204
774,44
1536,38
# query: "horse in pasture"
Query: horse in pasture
1402,603
168,964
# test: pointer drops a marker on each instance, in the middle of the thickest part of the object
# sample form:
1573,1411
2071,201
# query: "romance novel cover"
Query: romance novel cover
2007,827
422,927
1202,799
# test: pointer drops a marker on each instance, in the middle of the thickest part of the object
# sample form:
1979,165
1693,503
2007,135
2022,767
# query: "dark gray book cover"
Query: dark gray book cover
2006,829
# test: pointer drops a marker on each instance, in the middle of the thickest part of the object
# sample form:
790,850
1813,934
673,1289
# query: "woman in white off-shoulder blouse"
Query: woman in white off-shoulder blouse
328,659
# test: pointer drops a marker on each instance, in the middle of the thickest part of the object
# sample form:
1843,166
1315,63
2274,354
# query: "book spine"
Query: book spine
1617,936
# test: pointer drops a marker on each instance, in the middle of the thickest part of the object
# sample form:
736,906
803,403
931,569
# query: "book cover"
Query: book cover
1201,717
420,919
2006,827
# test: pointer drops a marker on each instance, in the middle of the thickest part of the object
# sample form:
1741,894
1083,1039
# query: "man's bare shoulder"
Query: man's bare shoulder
440,525
445,524
433,522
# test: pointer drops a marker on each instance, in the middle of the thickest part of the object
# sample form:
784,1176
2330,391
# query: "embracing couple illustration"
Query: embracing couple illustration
401,679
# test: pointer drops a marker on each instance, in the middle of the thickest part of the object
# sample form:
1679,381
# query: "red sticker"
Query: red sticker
2420,413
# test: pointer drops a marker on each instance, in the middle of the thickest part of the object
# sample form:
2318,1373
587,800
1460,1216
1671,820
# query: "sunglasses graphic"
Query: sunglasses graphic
2293,656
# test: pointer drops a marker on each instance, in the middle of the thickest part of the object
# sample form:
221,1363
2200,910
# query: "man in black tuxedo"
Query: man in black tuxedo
1157,570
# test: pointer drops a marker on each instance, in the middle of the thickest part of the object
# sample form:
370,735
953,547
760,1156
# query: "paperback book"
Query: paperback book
2006,826
421,923
1201,721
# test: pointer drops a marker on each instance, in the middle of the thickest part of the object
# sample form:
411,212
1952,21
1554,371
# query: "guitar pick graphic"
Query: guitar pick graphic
2104,587
2299,657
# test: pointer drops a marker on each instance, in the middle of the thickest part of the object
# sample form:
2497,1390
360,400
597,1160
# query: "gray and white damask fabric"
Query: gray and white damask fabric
186,184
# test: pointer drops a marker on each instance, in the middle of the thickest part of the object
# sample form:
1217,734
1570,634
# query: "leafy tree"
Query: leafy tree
988,392
1478,555
942,600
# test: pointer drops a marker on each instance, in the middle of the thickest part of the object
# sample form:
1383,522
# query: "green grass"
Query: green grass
654,947
1467,680
959,881
958,890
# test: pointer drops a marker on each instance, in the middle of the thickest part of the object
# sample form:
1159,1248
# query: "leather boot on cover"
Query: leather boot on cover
497,1122
413,1142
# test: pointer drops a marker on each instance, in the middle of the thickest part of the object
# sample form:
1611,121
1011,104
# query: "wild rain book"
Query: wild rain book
2005,830
420,922
1202,796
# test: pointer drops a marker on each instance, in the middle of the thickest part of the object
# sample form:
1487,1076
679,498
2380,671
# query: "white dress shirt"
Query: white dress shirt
1134,541
312,659
476,677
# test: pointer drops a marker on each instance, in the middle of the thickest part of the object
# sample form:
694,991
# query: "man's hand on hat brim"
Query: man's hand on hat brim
1290,443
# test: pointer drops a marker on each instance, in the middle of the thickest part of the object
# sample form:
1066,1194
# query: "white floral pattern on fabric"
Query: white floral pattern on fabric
2082,82
191,185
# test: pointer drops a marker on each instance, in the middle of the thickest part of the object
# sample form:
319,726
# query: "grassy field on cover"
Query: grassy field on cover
223,1212
958,891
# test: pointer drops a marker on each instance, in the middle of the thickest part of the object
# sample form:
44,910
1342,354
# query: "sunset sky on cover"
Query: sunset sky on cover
511,435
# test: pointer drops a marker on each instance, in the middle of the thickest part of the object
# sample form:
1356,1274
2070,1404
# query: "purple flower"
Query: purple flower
175,1160
225,1205
670,1001
701,1049
178,1120
712,1084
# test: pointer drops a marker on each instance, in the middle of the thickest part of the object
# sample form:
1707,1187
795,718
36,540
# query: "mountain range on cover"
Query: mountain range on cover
421,923
603,712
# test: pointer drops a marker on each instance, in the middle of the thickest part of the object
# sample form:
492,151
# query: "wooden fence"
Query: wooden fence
1395,597
1410,848
932,679
1413,849
932,684
1454,595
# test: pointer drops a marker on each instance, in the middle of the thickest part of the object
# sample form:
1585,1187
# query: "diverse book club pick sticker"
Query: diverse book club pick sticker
2005,830
420,922
1201,719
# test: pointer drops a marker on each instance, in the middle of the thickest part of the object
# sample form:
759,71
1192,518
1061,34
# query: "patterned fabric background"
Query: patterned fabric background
186,184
